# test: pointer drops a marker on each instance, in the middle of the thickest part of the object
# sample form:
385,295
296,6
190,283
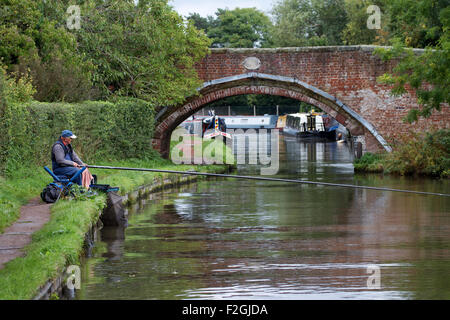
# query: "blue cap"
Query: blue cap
68,134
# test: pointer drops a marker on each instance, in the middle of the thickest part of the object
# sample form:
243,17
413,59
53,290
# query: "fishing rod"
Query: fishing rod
196,173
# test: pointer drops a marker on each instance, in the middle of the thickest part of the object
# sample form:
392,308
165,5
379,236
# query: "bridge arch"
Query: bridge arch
260,83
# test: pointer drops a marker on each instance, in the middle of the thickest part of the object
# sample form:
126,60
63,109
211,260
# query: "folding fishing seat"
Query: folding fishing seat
60,187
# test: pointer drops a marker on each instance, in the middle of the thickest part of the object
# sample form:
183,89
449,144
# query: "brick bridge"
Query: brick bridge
339,80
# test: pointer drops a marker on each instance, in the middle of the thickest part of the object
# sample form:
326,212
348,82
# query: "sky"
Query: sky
209,7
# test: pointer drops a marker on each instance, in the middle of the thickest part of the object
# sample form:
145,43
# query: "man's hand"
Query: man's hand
76,165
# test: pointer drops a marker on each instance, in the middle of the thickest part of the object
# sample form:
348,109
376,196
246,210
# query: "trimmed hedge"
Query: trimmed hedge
106,130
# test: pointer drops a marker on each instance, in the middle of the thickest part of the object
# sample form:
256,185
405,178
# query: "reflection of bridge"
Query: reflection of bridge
342,81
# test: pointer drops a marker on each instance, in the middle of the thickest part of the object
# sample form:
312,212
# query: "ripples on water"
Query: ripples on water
235,239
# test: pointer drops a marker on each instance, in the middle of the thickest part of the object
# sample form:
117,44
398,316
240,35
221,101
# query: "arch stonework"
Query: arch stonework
342,81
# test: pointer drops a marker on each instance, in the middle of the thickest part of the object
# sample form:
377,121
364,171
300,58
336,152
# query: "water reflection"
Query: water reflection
231,239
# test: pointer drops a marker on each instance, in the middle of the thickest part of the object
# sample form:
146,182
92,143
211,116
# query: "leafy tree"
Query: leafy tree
417,23
30,42
240,28
144,50
332,18
132,48
428,73
356,31
12,90
200,22
308,22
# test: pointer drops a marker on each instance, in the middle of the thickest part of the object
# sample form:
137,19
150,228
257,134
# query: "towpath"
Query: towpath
32,218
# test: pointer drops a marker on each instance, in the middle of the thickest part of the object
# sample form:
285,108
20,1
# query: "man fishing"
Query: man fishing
65,161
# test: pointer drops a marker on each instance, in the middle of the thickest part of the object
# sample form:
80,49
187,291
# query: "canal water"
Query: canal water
236,239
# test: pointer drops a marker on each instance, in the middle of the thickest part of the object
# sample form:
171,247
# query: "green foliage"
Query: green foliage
369,162
144,51
14,44
356,31
308,22
419,24
415,154
416,22
304,107
422,154
239,28
124,48
12,93
32,44
16,88
337,22
79,193
428,74
202,23
59,71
